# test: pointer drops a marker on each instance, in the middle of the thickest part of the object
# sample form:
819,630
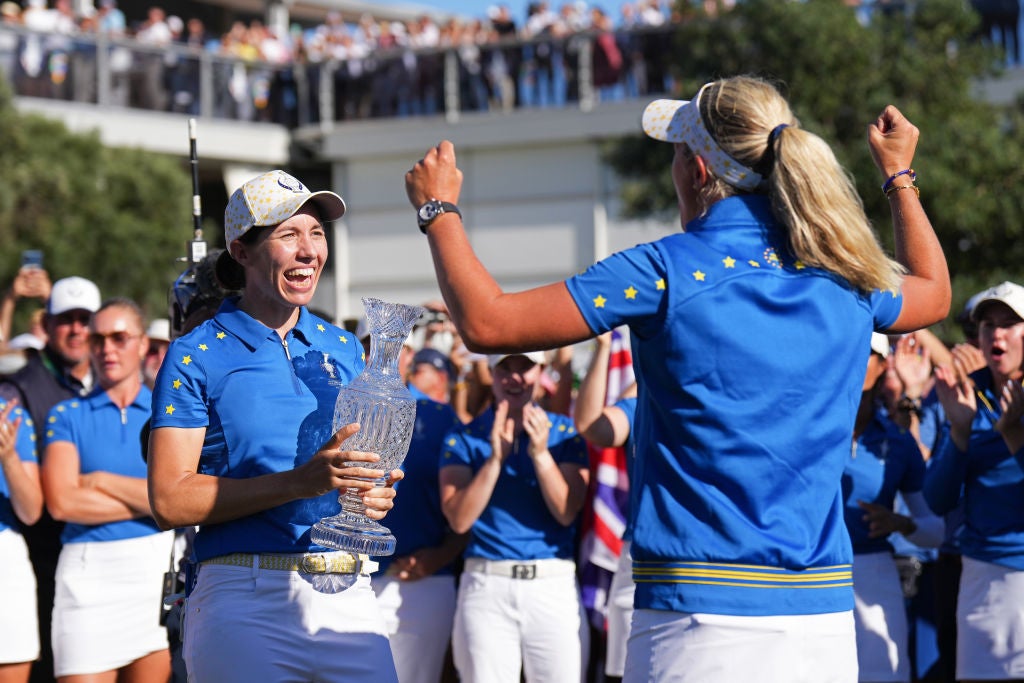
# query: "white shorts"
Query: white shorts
419,616
245,624
990,622
107,601
682,647
506,625
19,621
620,613
880,618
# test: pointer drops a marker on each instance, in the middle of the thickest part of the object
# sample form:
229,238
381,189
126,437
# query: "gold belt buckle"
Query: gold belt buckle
314,564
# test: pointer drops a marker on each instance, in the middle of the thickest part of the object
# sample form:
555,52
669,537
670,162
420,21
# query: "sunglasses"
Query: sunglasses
120,340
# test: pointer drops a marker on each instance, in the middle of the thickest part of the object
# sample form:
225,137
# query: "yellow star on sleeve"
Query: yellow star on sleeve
186,360
176,384
660,284
203,347
600,301
729,262
451,442
631,292
49,432
698,276
221,335
169,410
343,339
754,264
320,327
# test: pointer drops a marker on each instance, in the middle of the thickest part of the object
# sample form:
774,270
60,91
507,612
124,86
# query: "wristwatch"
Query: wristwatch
428,213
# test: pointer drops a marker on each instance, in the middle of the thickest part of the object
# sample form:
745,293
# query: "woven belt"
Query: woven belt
310,563
521,569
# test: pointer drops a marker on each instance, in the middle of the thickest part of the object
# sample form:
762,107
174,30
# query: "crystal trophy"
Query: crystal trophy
381,404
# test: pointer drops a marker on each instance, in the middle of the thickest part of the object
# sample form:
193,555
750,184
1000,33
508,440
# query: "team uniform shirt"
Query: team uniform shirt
884,460
417,522
990,479
267,405
107,439
516,524
25,446
749,367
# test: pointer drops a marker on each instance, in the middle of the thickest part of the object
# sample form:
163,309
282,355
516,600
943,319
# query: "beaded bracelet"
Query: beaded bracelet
896,188
907,171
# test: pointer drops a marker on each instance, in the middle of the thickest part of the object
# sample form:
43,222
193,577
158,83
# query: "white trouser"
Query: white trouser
505,625
880,618
620,613
418,615
245,624
682,647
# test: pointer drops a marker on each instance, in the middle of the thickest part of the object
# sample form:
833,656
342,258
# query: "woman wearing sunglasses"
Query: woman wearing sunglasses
109,575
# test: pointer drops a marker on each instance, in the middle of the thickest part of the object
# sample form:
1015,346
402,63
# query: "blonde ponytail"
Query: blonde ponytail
811,193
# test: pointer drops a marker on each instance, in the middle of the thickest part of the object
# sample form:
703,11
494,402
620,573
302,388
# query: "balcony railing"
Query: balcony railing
580,70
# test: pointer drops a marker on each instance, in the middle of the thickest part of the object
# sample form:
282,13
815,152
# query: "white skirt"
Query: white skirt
107,601
19,621
880,618
990,622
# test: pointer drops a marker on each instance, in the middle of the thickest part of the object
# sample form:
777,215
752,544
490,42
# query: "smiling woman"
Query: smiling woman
242,446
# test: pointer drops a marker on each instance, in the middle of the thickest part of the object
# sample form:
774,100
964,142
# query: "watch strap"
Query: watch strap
443,208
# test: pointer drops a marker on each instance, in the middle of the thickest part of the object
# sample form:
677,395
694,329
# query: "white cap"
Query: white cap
1009,293
73,293
25,340
880,344
537,357
273,198
159,329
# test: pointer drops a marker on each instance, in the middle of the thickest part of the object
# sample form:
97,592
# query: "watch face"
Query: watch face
428,211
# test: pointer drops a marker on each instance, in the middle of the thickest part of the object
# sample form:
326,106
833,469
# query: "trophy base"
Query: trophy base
354,533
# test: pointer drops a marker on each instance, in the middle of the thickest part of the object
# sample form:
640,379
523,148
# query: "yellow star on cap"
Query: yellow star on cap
729,262
660,284
186,360
698,276
631,292
221,335
169,410
176,384
600,301
204,347
320,327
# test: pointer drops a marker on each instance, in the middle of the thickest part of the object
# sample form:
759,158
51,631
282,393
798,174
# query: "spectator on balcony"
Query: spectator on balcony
148,86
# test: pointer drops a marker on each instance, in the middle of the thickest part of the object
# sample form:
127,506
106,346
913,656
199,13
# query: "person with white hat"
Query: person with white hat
978,457
159,335
751,328
515,478
62,370
242,445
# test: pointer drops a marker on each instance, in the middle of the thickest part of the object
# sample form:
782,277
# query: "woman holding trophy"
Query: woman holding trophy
243,446
751,329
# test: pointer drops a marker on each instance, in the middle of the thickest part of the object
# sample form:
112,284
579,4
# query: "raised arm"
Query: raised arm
926,289
488,318
601,425
22,476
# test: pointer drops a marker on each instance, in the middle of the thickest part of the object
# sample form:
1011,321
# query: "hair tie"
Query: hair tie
764,166
775,133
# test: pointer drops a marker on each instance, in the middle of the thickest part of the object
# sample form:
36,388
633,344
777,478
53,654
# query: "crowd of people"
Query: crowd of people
374,67
795,437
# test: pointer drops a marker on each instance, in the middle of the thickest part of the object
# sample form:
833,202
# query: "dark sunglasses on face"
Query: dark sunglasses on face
120,340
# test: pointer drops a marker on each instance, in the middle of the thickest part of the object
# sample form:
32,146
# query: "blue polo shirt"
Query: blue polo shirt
416,521
749,367
107,439
267,406
884,461
25,445
989,479
516,524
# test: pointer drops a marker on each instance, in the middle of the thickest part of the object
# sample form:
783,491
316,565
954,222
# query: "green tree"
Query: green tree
838,75
119,217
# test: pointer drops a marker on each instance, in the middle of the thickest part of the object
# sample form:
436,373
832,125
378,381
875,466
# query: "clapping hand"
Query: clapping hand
1011,402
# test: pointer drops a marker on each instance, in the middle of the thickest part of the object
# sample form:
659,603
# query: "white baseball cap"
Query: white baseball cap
273,198
159,329
1009,293
73,293
537,357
